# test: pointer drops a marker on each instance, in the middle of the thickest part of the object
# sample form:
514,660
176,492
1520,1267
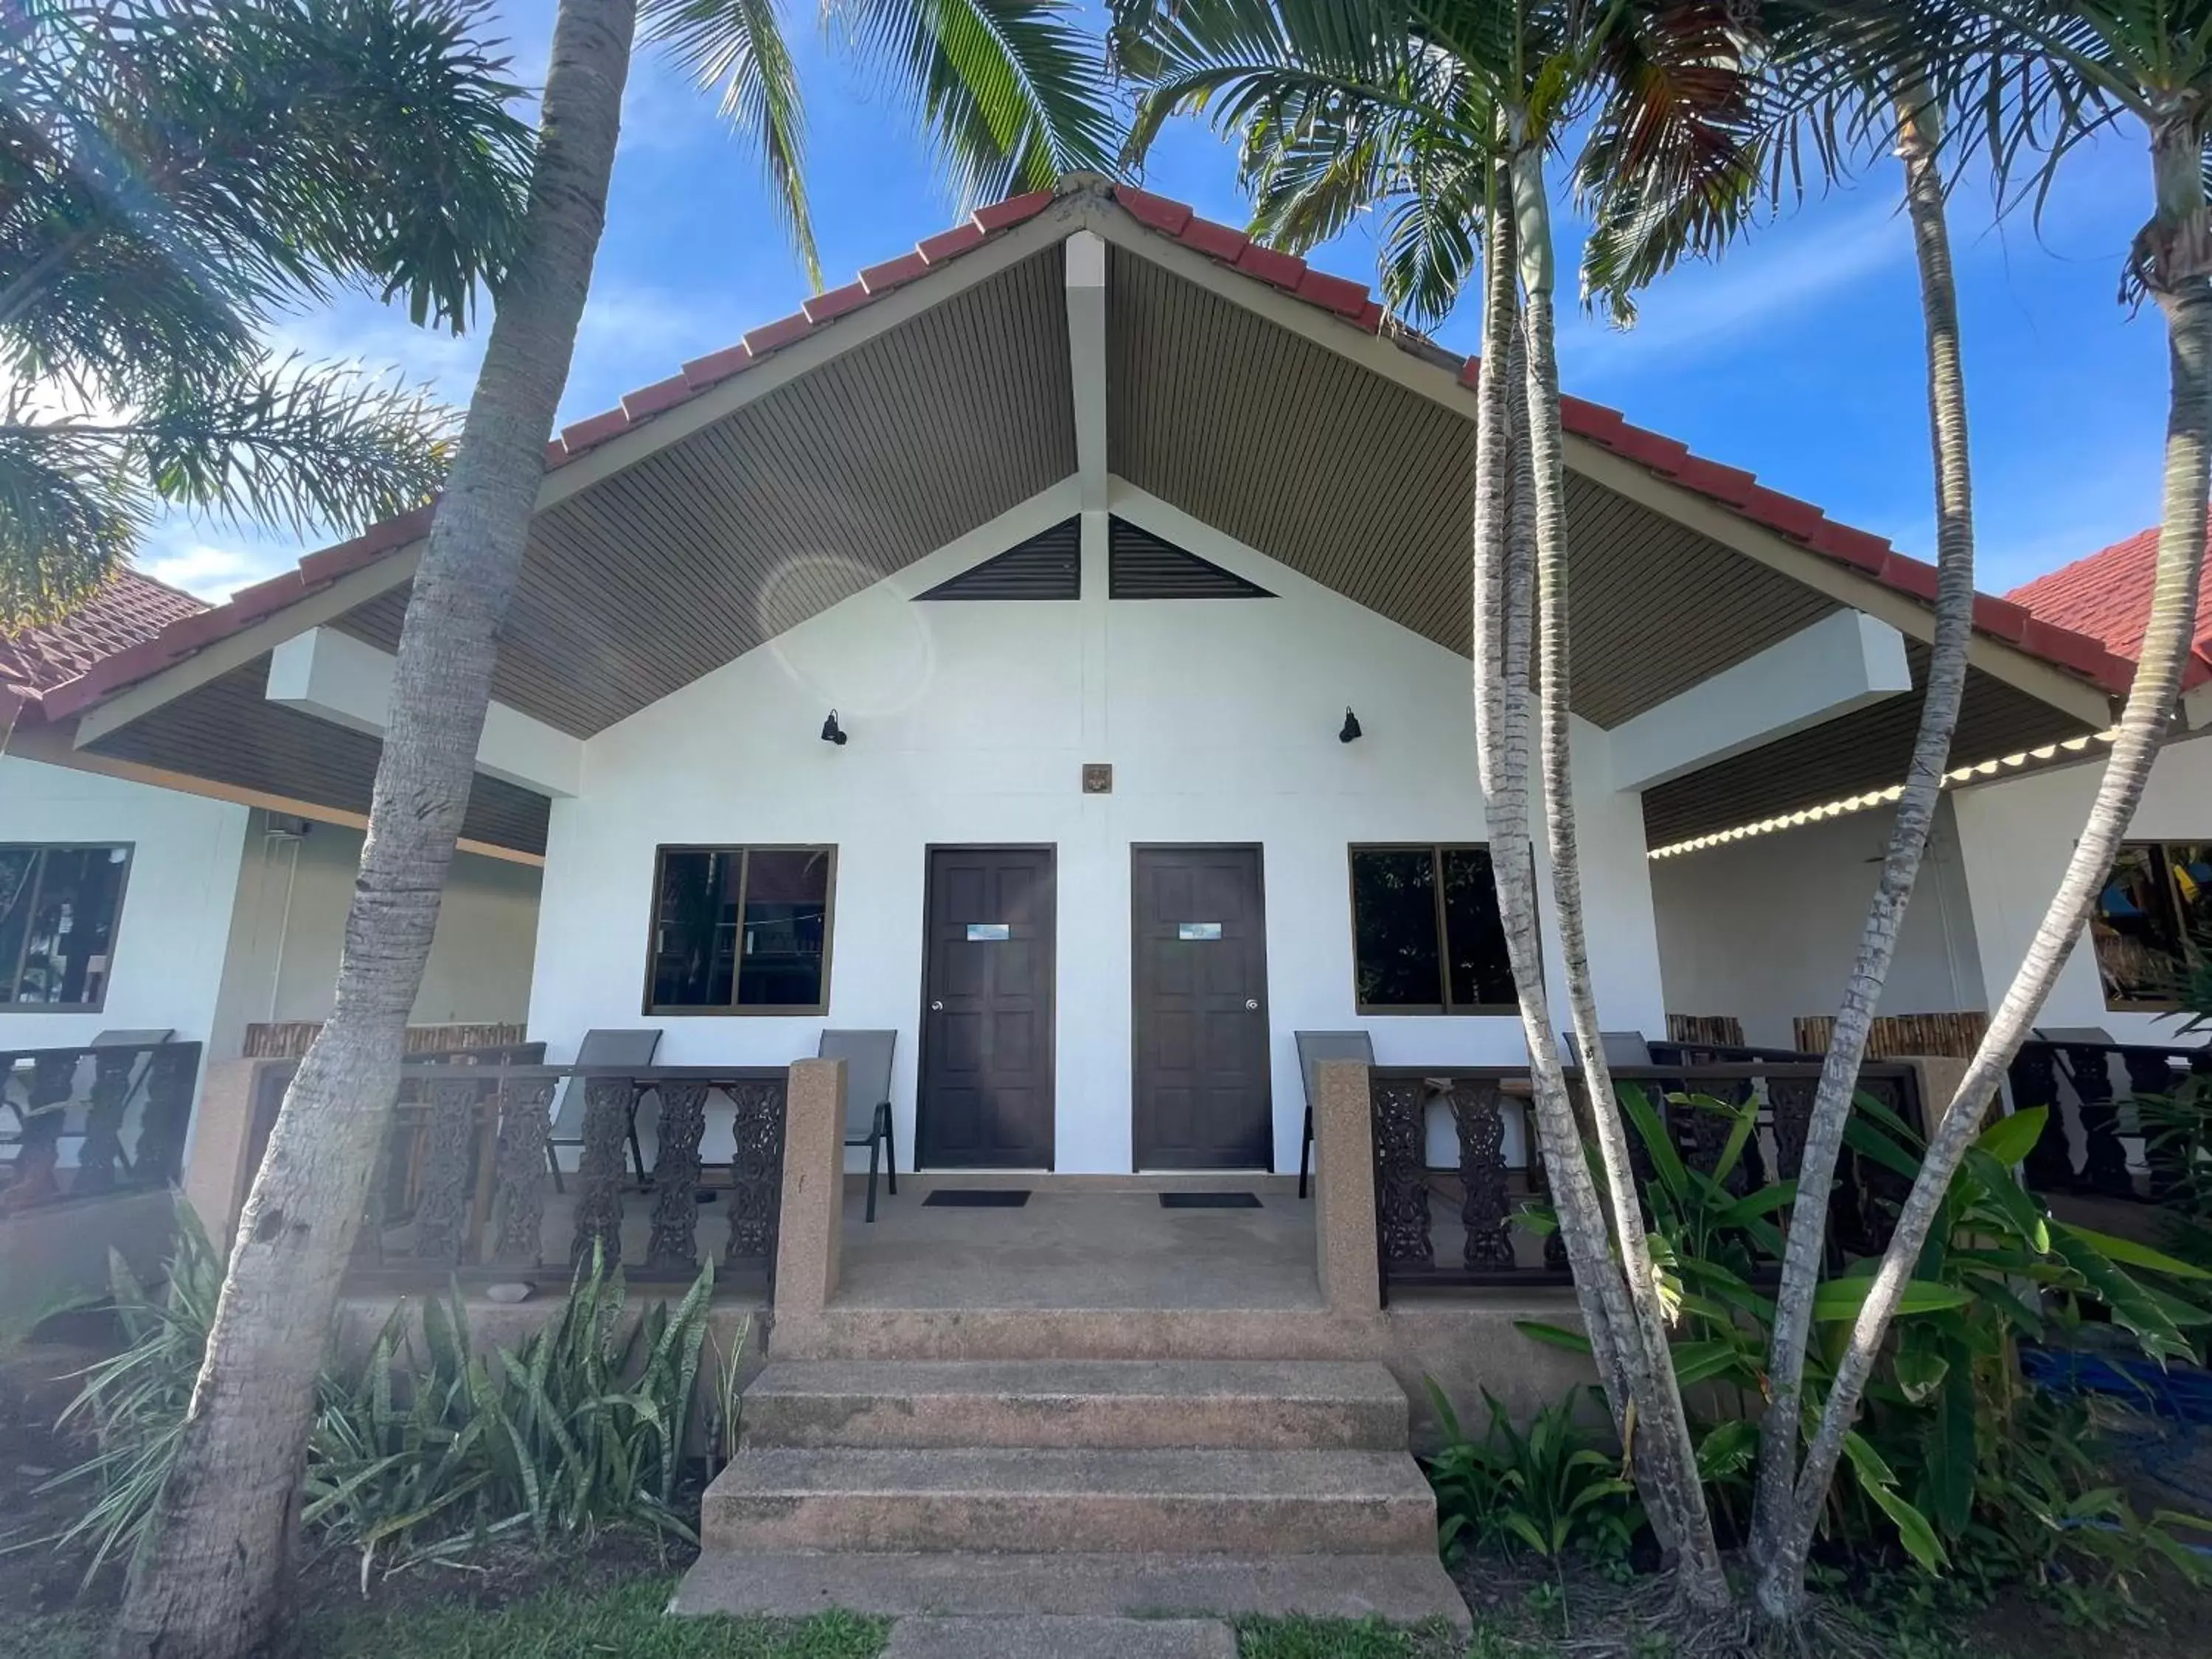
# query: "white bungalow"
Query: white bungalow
1126,563
1051,650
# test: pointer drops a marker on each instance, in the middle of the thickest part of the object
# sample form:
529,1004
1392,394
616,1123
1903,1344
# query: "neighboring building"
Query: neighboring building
2003,834
1092,532
138,899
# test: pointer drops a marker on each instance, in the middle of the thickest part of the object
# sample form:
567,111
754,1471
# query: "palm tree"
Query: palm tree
172,172
2080,66
207,1585
1010,95
1446,110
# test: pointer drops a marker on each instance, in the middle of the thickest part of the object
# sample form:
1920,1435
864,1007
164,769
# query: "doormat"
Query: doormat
1208,1201
977,1197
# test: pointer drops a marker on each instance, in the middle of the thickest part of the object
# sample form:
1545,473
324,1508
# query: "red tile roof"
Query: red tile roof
1349,302
130,609
2106,596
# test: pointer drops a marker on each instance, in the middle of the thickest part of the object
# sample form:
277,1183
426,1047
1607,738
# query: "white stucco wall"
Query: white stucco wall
970,722
171,937
289,925
1766,928
2018,834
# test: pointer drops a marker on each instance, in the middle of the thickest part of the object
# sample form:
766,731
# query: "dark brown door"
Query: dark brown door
986,1099
1201,951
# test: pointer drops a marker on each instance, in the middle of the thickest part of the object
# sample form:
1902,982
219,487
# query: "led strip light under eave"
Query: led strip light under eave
1836,809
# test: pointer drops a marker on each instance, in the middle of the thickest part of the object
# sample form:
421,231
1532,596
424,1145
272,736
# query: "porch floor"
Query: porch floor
1080,1243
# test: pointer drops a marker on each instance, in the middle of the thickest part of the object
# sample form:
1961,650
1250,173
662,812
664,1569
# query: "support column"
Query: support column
1344,1189
812,1229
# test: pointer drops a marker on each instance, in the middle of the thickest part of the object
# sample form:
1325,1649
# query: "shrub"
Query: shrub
581,1427
1956,1458
134,1401
426,1454
1554,1490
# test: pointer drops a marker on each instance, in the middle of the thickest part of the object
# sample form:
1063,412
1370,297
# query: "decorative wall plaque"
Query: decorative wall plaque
1097,778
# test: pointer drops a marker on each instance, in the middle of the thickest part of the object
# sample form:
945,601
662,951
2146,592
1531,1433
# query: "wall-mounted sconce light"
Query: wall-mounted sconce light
833,733
1350,733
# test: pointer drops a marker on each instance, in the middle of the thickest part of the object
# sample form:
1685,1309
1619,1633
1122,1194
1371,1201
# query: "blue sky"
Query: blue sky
1797,355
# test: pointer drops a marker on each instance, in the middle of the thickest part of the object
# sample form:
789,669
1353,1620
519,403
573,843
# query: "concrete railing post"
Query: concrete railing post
811,1229
1939,1080
215,1172
1344,1189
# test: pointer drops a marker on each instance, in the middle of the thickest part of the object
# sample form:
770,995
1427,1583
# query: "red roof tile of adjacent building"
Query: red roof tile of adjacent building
2107,596
1228,247
130,609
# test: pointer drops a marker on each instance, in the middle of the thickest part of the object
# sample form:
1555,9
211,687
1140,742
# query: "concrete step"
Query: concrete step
852,1331
1061,1638
1404,1588
1106,1405
1249,1503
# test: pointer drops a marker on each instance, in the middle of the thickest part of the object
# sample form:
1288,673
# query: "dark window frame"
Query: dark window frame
12,975
2160,851
1436,850
733,1009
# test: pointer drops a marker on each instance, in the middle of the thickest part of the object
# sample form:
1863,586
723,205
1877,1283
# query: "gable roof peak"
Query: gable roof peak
1089,198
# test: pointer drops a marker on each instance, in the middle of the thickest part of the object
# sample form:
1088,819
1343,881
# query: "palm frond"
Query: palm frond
304,445
1011,93
70,511
1673,164
737,47
1243,65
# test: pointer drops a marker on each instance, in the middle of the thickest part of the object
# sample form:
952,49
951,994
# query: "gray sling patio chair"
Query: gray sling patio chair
598,1048
1315,1047
1620,1049
867,1057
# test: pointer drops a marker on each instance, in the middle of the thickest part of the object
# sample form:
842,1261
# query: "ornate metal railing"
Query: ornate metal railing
123,1109
474,1178
1466,1222
2085,1070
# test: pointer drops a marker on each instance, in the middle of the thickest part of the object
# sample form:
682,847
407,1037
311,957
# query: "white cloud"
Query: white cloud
1767,278
214,572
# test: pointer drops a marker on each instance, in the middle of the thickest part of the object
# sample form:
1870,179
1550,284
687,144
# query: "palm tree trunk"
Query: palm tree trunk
1666,1453
2188,307
1919,139
1504,534
207,1588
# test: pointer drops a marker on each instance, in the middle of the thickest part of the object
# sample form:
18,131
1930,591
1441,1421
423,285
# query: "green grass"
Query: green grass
1343,1638
629,1622
559,1625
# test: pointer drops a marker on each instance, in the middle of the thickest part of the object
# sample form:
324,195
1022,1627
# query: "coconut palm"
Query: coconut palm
1841,81
207,1584
2081,66
172,172
1445,112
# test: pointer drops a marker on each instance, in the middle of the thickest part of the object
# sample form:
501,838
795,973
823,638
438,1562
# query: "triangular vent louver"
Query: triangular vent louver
1140,566
1048,566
